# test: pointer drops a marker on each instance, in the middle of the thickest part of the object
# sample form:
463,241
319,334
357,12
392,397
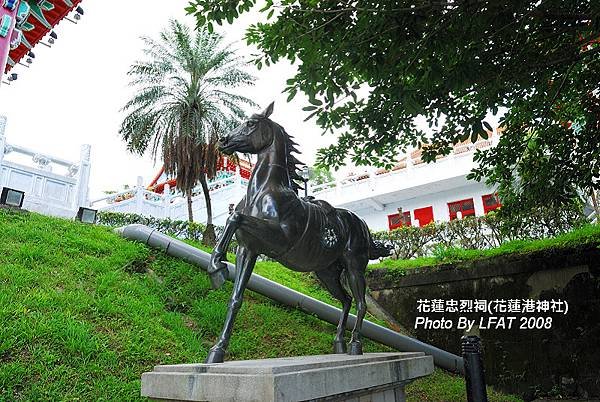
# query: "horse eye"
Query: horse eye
251,123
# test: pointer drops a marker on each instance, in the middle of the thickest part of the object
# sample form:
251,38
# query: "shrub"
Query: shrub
180,229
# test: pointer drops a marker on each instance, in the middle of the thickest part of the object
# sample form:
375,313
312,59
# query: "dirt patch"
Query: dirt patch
139,266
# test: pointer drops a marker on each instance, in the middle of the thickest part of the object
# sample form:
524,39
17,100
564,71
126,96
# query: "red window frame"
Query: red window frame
462,206
395,221
490,202
424,215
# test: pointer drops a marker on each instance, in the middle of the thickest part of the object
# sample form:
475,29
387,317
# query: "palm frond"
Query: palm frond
184,100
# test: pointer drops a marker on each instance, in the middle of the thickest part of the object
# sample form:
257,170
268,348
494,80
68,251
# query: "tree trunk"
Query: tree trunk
208,237
595,204
189,205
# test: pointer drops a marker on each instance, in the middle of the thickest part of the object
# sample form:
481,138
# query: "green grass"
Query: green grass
83,313
585,236
444,387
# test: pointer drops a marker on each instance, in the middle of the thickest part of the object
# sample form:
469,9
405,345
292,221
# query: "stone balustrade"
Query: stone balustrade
227,188
52,185
404,166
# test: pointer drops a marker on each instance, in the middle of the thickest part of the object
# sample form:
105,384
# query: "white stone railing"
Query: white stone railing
369,181
52,185
227,189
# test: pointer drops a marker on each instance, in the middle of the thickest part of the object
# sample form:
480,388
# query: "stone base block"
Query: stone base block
372,377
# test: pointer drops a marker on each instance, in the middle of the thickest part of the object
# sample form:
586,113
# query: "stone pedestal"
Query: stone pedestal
372,377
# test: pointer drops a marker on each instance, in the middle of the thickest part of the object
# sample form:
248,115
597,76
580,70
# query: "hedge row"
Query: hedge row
179,229
489,231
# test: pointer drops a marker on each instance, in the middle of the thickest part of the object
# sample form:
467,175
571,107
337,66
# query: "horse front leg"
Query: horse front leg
244,265
267,231
217,268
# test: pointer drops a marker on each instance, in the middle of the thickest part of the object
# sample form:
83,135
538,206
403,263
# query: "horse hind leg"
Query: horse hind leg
355,268
331,279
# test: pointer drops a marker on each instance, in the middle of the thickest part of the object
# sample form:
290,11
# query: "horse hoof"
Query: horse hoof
217,279
215,355
355,348
217,263
339,347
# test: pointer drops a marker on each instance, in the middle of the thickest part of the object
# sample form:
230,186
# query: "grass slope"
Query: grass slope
83,313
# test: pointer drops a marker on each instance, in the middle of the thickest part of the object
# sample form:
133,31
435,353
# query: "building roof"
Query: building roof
44,16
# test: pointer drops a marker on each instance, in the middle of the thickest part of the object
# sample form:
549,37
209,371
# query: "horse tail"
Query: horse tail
378,249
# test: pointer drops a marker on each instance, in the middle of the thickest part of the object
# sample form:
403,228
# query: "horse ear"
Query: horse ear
267,112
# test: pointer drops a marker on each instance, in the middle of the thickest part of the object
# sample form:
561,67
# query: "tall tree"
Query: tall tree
184,98
370,68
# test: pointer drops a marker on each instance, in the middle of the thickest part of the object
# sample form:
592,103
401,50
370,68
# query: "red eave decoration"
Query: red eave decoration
156,178
244,165
53,16
160,188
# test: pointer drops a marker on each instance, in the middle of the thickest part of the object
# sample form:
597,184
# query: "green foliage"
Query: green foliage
443,387
478,233
183,89
319,175
186,230
83,313
302,282
181,229
588,235
369,68
409,241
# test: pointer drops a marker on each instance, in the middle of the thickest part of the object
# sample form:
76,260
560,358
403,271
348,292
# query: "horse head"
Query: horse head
250,137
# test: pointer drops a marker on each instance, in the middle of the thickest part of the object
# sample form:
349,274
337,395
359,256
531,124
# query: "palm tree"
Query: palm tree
183,100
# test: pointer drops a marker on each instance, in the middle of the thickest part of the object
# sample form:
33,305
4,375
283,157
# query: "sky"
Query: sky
73,92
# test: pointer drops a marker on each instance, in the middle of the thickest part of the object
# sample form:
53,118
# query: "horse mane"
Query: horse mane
291,161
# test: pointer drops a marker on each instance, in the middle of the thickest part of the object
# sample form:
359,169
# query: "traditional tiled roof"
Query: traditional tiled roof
44,15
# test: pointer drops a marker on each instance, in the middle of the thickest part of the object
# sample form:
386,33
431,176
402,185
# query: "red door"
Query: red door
424,215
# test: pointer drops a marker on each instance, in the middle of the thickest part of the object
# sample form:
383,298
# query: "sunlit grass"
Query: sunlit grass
83,313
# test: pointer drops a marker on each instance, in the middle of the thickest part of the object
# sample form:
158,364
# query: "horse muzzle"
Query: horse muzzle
226,147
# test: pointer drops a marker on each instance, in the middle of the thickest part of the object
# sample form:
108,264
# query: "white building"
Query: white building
421,192
414,192
52,185
226,189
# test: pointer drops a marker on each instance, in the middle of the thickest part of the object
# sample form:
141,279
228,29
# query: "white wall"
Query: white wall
378,220
52,185
411,185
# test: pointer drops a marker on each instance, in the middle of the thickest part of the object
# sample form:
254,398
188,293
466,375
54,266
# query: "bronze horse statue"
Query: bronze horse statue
304,235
